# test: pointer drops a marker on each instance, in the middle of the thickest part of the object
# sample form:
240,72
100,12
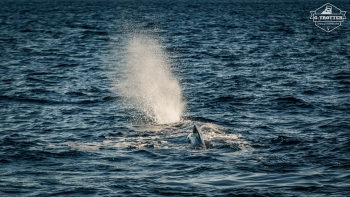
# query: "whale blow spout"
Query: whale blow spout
148,82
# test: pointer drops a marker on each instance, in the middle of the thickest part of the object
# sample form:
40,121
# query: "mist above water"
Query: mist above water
148,82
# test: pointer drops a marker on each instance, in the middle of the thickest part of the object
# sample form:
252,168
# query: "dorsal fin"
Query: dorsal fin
195,130
197,136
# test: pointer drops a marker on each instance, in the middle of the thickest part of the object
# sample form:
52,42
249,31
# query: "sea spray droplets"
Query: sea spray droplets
149,83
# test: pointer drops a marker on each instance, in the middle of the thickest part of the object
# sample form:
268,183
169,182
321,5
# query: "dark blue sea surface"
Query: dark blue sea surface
269,89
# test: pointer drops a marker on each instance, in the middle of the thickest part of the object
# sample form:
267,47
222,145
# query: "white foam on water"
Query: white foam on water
170,136
219,136
148,83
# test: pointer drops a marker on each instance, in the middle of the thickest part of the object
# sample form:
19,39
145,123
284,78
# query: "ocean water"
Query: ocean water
97,99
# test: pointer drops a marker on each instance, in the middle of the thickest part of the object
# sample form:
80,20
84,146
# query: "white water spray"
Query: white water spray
149,83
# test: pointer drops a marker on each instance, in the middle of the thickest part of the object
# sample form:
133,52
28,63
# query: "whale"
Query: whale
196,138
